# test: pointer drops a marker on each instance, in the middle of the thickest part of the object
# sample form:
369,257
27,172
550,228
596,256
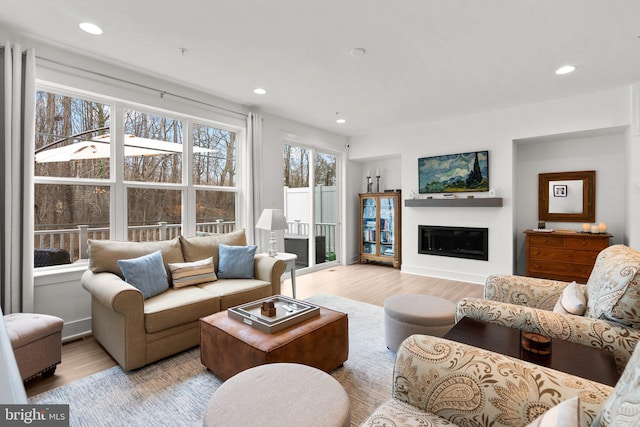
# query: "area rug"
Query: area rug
175,391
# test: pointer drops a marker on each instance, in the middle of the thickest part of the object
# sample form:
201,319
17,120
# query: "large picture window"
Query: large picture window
82,193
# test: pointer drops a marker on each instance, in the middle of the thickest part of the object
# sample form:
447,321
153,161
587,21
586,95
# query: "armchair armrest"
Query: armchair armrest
470,386
521,290
270,270
582,330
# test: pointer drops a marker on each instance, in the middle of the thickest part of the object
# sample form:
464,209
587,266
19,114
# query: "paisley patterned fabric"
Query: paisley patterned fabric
526,291
468,386
582,330
613,289
622,408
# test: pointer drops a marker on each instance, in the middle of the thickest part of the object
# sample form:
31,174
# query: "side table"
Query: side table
290,262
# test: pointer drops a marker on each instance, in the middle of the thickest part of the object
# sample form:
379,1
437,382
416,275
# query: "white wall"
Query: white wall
632,181
496,132
565,153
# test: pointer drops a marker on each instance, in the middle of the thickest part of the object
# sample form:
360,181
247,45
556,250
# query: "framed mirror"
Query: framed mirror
567,196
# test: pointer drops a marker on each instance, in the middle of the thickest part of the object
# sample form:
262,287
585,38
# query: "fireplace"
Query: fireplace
457,242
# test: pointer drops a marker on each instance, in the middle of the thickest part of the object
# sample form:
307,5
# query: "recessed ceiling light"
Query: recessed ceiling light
565,69
259,91
341,121
90,28
358,51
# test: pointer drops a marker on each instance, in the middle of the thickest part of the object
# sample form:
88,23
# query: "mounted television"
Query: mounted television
454,173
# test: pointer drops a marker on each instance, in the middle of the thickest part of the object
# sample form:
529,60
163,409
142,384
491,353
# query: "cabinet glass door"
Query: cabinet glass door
369,209
387,241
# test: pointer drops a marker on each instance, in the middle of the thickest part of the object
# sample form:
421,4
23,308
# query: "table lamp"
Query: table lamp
272,220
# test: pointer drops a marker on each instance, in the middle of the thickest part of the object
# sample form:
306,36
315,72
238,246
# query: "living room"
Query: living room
591,124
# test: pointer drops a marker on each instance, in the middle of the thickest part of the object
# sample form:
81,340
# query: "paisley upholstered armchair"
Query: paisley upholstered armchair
437,382
610,301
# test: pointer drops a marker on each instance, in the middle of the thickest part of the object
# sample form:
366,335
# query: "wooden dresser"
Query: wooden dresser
563,255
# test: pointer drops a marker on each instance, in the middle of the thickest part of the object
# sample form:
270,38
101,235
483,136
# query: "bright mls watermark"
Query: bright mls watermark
34,415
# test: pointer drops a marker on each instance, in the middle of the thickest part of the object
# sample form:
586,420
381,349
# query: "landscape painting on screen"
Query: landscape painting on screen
454,173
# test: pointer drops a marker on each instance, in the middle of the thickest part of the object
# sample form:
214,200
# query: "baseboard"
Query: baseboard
445,274
76,329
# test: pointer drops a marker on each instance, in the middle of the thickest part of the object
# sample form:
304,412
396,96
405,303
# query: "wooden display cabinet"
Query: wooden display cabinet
380,228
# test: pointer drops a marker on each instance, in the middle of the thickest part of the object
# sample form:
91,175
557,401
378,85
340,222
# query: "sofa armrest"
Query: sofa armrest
470,386
112,292
596,333
270,270
521,290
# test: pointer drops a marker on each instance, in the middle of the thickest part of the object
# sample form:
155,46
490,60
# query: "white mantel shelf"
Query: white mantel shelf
475,202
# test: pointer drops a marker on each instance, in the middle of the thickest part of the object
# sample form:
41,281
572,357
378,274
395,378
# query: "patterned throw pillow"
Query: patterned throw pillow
236,262
572,301
192,273
146,273
613,289
622,408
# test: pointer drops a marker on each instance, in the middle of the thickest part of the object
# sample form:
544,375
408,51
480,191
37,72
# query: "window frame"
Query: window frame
118,187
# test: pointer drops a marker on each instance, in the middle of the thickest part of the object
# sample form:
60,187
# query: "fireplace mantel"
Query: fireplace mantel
477,202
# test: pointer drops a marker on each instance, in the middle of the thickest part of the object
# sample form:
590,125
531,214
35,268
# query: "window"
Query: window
161,187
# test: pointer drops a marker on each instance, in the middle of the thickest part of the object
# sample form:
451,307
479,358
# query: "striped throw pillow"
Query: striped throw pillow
192,273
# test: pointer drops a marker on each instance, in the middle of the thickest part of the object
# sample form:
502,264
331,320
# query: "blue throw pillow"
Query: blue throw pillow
147,273
236,262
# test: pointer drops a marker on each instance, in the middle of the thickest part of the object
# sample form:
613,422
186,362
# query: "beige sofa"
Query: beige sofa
137,331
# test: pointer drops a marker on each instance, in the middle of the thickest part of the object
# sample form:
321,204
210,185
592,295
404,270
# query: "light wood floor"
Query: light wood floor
362,282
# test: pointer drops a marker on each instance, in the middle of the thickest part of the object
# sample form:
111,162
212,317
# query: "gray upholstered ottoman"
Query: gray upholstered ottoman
37,342
279,394
406,315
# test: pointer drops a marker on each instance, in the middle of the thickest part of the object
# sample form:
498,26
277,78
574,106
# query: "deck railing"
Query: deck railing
74,240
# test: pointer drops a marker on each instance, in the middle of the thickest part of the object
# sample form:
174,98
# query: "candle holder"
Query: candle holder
377,183
369,184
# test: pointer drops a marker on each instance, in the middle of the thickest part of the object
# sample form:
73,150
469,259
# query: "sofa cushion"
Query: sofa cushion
146,273
564,414
200,247
178,306
234,292
192,273
236,262
572,300
104,254
613,289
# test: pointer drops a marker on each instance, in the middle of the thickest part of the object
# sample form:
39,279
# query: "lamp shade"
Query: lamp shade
272,219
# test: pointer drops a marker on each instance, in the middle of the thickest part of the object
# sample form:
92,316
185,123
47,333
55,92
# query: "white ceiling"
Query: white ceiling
425,60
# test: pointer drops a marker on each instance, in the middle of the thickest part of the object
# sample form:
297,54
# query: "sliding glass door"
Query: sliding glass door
311,205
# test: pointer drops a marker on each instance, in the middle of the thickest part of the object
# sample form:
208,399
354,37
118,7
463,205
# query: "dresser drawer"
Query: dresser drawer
562,254
546,241
596,244
560,270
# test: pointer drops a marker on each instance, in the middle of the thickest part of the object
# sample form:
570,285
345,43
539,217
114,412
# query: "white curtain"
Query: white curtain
17,127
254,150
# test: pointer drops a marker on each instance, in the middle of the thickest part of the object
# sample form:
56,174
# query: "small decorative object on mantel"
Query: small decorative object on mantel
535,343
586,228
377,180
268,308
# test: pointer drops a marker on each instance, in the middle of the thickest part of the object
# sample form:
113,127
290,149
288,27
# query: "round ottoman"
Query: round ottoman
405,315
279,394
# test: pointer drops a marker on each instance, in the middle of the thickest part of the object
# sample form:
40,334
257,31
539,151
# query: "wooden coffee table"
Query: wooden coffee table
229,346
576,359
